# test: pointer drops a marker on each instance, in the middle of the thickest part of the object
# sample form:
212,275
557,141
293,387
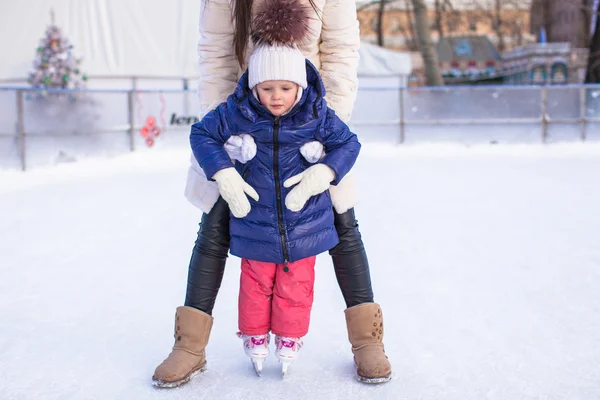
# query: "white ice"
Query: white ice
486,261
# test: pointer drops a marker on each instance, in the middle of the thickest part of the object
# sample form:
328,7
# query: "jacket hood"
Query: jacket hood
310,106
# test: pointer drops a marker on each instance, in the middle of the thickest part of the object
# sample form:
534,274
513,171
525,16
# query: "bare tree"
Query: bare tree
498,26
365,6
433,76
490,12
453,20
515,26
401,23
503,18
439,24
593,68
444,13
380,32
411,41
563,20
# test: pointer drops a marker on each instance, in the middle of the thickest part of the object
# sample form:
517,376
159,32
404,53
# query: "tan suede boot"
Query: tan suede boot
188,358
365,332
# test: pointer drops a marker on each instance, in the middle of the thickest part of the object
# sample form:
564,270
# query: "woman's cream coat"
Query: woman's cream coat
332,47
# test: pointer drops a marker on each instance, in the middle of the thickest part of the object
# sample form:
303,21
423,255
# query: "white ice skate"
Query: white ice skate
257,348
287,351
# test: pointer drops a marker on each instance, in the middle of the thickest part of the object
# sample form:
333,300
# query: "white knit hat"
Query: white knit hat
276,63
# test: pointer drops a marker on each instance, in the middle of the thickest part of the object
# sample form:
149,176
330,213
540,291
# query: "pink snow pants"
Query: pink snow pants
274,300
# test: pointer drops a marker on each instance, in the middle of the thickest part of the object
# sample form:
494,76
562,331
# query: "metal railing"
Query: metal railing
133,81
529,104
123,110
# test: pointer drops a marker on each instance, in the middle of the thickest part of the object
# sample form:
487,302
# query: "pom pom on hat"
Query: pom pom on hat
277,29
283,22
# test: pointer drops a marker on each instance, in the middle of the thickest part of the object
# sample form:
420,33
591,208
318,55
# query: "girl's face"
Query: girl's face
277,96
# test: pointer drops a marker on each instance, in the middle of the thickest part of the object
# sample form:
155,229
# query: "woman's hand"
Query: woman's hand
241,147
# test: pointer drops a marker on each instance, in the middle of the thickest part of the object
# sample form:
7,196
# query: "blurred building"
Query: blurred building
564,28
468,59
545,63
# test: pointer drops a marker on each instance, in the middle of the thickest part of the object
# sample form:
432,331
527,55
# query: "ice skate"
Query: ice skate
257,348
287,351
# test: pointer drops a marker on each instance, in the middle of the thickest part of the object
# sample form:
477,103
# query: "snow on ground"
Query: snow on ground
485,260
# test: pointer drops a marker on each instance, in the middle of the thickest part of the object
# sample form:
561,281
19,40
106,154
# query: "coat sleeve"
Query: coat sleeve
340,40
341,146
207,140
218,64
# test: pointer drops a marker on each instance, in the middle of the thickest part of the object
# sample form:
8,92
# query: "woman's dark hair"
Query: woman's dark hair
242,31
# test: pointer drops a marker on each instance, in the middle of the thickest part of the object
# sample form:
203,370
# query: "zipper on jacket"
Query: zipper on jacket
280,224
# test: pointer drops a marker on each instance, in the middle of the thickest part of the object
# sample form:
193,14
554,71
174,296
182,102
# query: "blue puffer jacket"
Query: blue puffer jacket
271,232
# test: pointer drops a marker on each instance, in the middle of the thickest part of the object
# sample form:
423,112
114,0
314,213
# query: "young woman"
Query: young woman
224,48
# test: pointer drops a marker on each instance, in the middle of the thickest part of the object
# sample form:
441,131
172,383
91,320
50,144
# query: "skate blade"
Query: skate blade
381,379
164,384
284,367
258,366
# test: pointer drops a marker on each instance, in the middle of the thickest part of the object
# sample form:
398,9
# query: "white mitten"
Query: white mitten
313,181
233,189
241,147
312,151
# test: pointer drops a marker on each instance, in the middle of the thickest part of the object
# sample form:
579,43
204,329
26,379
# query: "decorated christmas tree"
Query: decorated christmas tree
55,65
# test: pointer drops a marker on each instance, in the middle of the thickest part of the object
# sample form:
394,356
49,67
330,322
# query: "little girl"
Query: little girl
279,231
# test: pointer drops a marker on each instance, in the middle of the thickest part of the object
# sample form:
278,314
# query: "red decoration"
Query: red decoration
150,131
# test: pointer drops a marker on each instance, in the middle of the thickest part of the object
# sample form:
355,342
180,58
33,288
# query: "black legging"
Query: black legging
210,254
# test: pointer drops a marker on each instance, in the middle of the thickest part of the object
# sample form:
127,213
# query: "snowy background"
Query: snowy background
485,260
